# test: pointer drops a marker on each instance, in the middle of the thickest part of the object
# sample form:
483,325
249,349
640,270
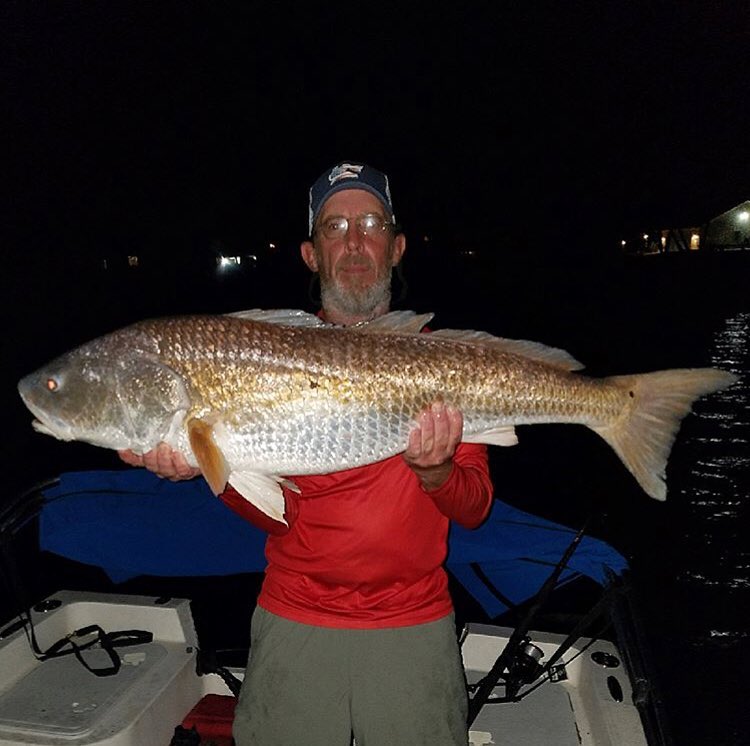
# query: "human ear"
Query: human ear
399,247
308,255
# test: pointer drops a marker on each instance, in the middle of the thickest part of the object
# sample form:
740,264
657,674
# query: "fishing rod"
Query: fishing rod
519,653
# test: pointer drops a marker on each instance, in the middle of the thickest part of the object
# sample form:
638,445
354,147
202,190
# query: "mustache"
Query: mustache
354,261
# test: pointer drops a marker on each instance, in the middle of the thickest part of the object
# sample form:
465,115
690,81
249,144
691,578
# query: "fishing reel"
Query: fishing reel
523,666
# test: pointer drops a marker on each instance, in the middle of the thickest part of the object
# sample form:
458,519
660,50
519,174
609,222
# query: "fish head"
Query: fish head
122,399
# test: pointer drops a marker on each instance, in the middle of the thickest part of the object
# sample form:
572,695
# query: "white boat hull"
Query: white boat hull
59,702
591,706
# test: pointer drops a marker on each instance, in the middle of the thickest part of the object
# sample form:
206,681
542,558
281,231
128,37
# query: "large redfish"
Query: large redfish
254,396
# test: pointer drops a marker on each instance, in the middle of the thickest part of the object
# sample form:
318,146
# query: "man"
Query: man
353,633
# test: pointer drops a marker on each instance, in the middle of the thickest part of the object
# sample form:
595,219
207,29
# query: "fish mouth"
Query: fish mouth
56,430
40,427
44,423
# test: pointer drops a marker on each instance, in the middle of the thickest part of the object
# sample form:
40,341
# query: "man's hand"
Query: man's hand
433,443
162,461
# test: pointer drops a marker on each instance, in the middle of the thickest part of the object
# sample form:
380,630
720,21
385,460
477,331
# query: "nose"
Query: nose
353,238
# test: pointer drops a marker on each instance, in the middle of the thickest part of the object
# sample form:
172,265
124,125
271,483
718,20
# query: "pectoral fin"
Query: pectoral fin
263,491
144,384
501,436
210,458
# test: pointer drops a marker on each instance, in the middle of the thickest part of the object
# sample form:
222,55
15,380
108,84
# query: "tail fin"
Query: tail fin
643,438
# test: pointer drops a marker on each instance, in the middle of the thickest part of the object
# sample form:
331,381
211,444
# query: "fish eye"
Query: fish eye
52,384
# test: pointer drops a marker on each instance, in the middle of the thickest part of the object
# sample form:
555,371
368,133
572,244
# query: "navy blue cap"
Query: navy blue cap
347,175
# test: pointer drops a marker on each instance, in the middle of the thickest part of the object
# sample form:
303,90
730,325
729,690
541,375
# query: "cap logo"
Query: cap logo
344,171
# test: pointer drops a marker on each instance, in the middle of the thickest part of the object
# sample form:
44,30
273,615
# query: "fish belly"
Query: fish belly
315,441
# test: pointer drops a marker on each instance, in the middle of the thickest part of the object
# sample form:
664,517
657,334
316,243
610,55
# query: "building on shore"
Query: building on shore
728,231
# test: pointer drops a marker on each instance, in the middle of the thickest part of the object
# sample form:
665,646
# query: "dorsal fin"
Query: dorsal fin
523,348
400,322
409,322
281,316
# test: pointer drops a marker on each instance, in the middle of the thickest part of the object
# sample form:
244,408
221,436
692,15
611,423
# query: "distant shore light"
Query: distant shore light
225,262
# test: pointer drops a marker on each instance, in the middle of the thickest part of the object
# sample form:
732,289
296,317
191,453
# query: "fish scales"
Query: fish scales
251,399
346,397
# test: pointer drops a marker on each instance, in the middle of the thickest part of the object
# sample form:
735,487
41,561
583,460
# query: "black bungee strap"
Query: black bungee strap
93,636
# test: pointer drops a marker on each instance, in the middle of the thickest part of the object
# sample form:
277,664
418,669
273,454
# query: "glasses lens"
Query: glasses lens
370,224
334,227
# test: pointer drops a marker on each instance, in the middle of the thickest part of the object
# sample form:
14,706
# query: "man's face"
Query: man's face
355,269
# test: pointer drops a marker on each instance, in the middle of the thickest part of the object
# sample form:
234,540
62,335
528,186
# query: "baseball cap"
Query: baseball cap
347,175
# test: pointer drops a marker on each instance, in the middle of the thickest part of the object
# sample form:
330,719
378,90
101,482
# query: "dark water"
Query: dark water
690,556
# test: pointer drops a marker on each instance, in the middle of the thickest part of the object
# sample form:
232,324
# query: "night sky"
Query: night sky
171,125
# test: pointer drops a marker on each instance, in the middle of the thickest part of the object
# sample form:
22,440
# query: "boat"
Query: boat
121,669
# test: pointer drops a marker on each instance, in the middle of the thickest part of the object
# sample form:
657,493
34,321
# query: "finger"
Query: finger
456,426
150,460
130,458
192,471
427,426
159,461
414,444
182,469
441,429
165,458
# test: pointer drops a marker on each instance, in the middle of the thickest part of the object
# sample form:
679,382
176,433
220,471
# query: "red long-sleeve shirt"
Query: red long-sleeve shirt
365,547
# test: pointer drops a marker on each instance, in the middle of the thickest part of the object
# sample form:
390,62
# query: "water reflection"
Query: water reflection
716,494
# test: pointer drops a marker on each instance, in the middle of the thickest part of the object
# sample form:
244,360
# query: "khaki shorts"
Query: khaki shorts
319,686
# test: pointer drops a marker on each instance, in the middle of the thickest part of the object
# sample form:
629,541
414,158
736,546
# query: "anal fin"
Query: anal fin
499,436
263,490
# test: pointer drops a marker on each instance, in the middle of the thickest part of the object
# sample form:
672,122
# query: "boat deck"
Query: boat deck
58,701
591,704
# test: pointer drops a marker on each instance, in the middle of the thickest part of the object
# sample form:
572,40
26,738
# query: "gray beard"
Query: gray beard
359,302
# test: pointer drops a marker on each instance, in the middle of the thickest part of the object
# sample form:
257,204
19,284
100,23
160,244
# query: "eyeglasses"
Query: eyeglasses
368,224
